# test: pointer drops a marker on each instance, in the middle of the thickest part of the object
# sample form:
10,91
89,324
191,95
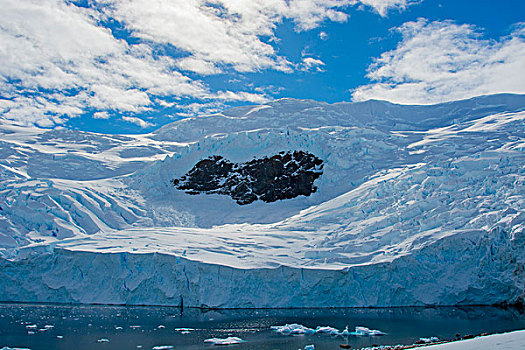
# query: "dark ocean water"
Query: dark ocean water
82,327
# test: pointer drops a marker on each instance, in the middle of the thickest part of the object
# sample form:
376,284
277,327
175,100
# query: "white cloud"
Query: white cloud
383,6
443,61
137,121
222,32
310,63
59,61
199,66
230,32
323,36
101,115
242,96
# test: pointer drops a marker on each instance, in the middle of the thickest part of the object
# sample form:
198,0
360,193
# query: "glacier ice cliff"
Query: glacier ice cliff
416,205
467,268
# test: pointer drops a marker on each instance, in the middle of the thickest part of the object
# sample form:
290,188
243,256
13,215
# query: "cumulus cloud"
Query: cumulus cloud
57,61
222,32
383,6
231,32
101,115
59,58
137,121
443,61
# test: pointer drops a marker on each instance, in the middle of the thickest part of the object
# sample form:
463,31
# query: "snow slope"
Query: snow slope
506,341
417,205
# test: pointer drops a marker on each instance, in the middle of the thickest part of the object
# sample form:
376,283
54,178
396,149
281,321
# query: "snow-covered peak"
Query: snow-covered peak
292,113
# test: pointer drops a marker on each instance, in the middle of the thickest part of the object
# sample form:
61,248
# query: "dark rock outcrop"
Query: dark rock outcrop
282,176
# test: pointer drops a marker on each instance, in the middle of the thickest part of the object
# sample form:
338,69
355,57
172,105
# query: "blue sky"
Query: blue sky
130,66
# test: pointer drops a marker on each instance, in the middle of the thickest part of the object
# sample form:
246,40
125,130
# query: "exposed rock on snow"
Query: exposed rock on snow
282,176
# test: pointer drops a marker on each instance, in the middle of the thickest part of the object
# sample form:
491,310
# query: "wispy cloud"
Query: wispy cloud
443,61
310,63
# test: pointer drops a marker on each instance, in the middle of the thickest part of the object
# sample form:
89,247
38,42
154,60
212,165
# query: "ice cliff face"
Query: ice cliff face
416,205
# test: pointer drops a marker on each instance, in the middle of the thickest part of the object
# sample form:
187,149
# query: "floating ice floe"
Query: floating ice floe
309,347
103,340
162,347
366,331
31,326
8,348
224,341
184,330
429,340
292,329
297,329
345,332
327,330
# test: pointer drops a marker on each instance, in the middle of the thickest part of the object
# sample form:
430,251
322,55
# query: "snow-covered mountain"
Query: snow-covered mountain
292,203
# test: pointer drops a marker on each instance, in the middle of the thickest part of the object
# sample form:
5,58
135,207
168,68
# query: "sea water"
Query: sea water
36,326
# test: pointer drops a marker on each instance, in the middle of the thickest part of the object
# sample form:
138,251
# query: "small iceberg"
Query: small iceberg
162,347
293,329
327,330
363,331
103,340
345,332
298,329
224,341
309,347
427,340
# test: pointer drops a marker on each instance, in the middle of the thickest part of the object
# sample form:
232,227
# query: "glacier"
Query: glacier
416,205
